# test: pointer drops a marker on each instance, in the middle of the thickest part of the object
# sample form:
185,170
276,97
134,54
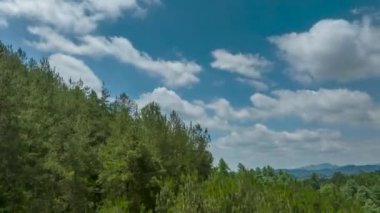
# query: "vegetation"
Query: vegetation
64,149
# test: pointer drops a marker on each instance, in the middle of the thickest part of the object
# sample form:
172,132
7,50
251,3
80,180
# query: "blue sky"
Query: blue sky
284,83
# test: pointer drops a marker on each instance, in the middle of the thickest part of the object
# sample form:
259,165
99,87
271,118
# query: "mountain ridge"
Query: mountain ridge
326,170
314,167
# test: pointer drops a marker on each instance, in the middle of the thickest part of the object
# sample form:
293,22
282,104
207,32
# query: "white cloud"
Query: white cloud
80,16
249,67
169,100
332,50
174,73
259,145
324,105
262,138
52,19
255,144
189,111
72,68
224,110
259,85
3,22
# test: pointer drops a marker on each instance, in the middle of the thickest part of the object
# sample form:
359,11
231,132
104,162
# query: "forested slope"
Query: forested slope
63,149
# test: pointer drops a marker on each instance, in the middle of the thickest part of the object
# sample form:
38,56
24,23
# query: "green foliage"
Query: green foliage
263,191
63,149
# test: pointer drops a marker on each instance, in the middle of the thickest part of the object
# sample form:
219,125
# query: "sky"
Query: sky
280,83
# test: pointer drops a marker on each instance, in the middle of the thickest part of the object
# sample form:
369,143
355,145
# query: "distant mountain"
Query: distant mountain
319,167
327,170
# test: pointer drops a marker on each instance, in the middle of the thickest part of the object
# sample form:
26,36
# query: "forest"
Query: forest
64,149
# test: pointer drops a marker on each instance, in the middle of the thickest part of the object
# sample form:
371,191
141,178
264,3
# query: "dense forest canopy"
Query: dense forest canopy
64,149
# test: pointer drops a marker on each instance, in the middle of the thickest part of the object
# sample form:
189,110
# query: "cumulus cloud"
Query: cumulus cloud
222,108
324,105
258,84
174,73
256,144
72,68
259,145
190,111
262,138
80,16
64,26
169,100
332,50
249,67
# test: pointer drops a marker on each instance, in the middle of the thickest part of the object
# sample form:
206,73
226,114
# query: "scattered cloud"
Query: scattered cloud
169,101
256,143
72,68
260,145
223,109
246,65
324,105
190,111
367,11
174,73
262,138
249,67
332,50
53,19
259,85
81,16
